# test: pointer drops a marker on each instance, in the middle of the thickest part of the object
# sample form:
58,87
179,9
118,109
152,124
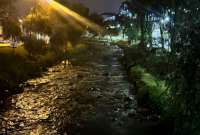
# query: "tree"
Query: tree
11,29
74,35
132,33
186,78
59,38
37,23
112,32
34,46
71,31
80,9
98,19
140,7
64,2
144,10
4,8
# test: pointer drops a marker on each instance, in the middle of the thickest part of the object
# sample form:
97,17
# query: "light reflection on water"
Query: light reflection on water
68,94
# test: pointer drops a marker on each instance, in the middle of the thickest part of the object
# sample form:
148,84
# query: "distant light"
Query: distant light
167,19
162,21
118,26
20,20
110,18
112,27
130,14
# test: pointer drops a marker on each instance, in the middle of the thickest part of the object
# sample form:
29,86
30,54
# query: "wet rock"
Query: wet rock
114,119
98,89
91,89
21,124
6,91
71,89
132,113
10,123
1,102
105,74
71,83
80,76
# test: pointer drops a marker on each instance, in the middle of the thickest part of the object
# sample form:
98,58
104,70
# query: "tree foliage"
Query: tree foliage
38,21
80,9
3,8
11,29
34,46
186,78
184,31
59,38
96,18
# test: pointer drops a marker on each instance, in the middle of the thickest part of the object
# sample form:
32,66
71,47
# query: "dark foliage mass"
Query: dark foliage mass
180,66
11,29
186,77
34,46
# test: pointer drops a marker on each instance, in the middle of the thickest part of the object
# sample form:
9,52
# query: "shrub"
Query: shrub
34,46
59,39
11,29
150,90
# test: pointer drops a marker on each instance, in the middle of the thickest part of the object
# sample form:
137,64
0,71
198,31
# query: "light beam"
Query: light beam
62,9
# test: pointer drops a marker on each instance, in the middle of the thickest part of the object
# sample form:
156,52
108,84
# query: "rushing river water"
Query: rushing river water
90,96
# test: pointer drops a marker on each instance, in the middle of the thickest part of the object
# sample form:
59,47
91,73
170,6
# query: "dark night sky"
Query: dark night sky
101,6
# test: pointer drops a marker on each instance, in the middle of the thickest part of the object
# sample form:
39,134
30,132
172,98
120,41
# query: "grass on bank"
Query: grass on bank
150,90
16,67
149,71
10,51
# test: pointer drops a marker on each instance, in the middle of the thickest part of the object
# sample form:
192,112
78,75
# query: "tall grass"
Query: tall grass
16,67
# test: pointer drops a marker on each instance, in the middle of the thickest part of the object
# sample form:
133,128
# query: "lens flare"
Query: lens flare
68,12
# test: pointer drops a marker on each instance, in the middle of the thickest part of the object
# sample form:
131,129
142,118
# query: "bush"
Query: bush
121,42
11,29
59,39
135,56
17,69
34,46
74,35
158,65
150,90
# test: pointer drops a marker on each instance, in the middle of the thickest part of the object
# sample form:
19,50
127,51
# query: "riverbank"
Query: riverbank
17,67
148,72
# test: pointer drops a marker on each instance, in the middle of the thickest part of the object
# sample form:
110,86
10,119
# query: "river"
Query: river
89,95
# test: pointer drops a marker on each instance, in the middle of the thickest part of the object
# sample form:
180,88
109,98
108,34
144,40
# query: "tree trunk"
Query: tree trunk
151,40
162,38
173,26
142,38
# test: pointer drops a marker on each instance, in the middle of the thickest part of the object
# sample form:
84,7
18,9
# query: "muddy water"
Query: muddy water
90,96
